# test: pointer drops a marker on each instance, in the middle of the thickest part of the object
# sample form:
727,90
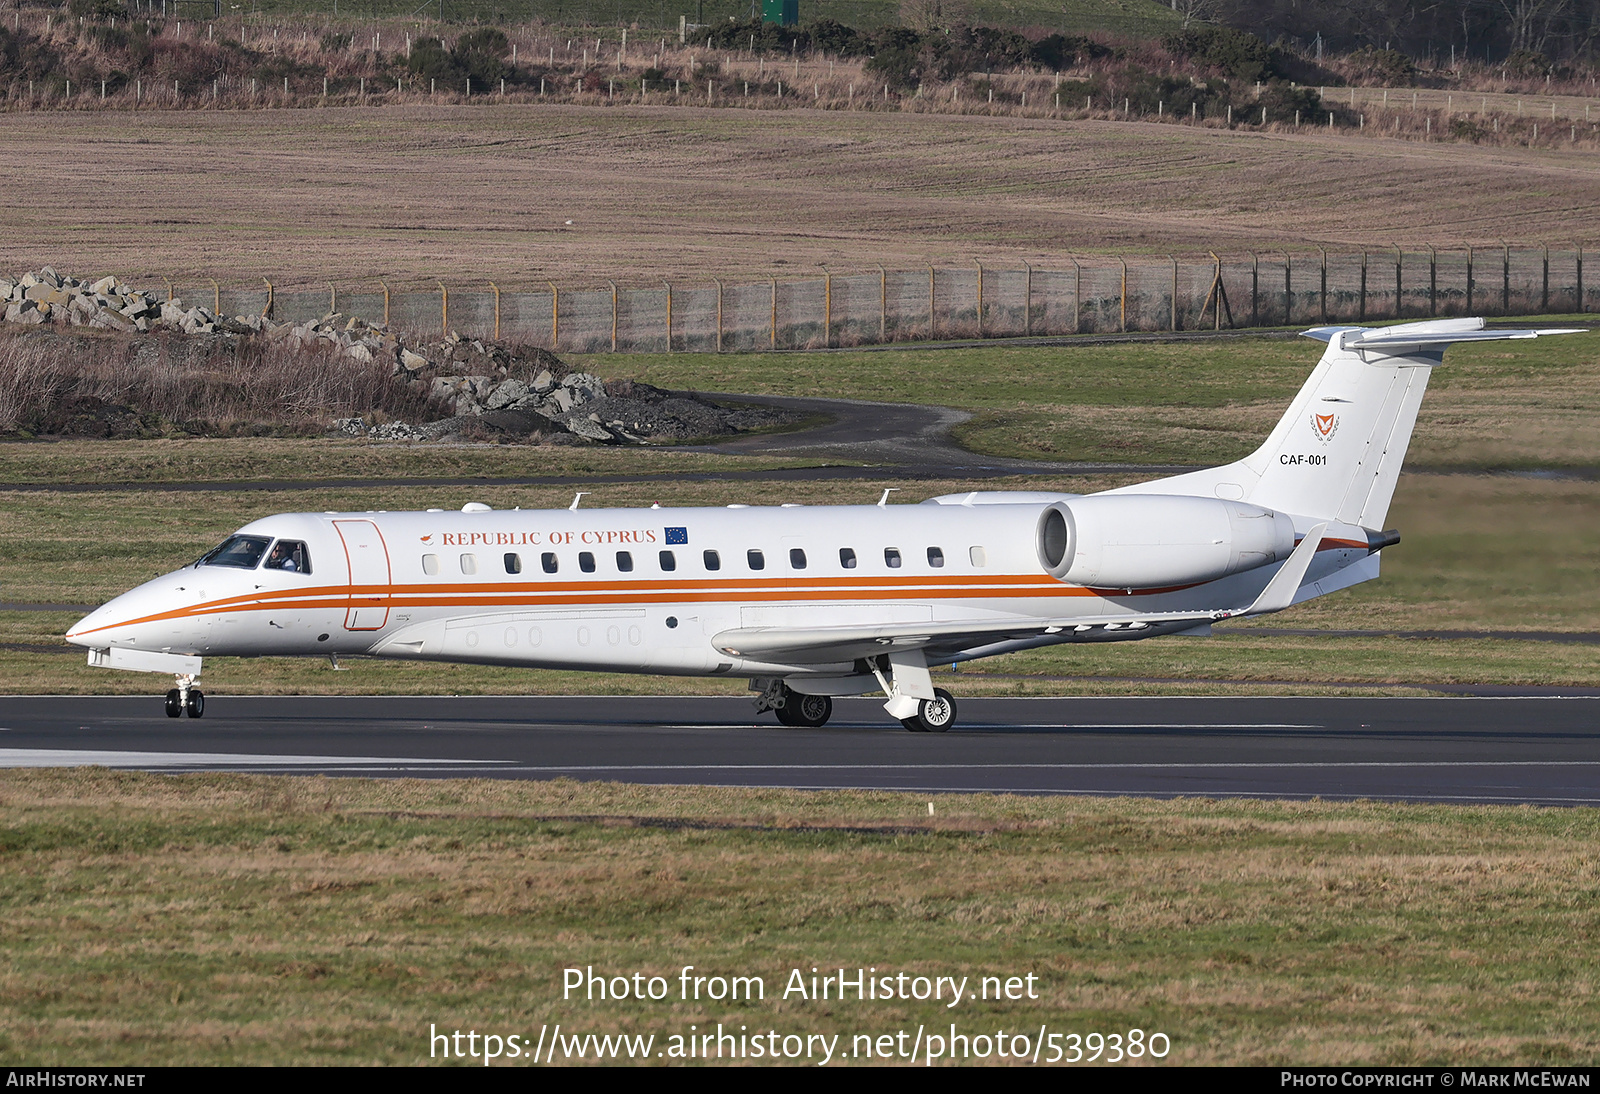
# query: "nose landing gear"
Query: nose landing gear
186,699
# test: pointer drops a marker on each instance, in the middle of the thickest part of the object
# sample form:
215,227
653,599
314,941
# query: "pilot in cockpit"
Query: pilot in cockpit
286,555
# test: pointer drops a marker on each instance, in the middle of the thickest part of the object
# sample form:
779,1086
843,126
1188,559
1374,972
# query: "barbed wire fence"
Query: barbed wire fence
939,303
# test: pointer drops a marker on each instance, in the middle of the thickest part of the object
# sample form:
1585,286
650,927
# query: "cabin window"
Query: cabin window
713,560
797,559
979,556
586,561
469,564
669,561
430,564
290,555
513,563
847,558
756,560
549,563
625,562
891,557
935,557
243,552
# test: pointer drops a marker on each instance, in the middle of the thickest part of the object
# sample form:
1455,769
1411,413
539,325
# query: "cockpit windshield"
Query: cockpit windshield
242,552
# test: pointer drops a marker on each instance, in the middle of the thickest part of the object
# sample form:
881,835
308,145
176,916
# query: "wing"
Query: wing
830,645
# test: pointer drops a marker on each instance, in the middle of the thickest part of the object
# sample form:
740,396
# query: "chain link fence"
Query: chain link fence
1093,295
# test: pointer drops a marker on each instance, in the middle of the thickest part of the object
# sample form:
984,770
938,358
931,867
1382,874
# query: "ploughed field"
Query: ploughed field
521,193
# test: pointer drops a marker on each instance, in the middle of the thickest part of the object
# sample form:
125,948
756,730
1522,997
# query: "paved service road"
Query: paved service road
1540,750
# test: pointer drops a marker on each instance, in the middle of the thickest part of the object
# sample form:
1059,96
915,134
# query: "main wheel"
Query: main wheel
807,710
174,704
934,715
196,706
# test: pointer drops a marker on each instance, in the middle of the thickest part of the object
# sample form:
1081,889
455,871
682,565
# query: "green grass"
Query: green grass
253,920
1505,405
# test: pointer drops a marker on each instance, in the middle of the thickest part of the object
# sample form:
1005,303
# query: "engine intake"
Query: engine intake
1141,541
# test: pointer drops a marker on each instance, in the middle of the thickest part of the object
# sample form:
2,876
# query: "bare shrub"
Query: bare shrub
206,384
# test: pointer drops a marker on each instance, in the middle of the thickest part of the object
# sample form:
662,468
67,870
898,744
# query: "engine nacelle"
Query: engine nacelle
1143,541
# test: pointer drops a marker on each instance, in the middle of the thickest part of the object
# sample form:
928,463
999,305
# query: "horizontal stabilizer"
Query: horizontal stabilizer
1407,337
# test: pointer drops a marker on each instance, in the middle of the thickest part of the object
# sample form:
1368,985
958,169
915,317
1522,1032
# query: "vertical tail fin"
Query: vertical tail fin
1336,453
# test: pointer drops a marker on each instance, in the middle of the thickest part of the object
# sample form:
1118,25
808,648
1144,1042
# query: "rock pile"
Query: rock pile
107,304
485,390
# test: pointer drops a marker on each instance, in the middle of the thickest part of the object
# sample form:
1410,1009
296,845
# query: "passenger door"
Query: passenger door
368,559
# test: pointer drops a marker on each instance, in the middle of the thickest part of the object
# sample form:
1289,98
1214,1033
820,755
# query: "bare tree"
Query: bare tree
1196,11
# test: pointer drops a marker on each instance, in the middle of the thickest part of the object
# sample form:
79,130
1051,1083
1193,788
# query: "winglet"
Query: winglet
1279,593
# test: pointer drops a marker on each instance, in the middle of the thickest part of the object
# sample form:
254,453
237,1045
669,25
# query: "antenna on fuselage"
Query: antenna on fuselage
576,498
883,502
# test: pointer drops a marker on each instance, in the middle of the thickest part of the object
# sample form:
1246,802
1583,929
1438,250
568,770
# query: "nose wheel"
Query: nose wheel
186,699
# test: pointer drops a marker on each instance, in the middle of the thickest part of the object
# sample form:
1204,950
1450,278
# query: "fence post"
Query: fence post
1322,285
1469,279
668,284
1288,288
1027,300
1544,300
444,310
719,313
1122,315
979,264
930,302
613,285
1361,308
1433,281
1173,320
1505,281
1579,246
555,315
1255,280
1077,296
774,281
1398,258
827,308
333,299
266,312
169,288
883,304
496,289
216,291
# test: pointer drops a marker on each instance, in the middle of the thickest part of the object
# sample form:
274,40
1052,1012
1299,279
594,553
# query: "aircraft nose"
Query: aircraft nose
85,631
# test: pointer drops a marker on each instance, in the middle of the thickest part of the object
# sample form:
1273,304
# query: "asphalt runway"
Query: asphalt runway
1465,750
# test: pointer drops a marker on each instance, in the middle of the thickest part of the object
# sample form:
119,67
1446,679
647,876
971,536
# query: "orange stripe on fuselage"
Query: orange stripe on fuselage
649,591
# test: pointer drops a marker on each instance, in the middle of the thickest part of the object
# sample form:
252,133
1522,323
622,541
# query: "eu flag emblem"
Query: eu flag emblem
677,537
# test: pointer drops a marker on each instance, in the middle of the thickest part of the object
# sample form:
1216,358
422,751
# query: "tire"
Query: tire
174,704
934,715
809,711
196,707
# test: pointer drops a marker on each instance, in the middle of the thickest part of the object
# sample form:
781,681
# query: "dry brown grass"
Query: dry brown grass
248,919
466,194
49,381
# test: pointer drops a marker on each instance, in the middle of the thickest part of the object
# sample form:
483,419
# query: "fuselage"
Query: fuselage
628,590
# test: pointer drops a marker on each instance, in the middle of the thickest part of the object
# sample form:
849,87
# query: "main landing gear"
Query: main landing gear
186,699
792,708
934,715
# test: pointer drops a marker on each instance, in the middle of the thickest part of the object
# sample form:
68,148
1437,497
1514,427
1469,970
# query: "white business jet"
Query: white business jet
815,602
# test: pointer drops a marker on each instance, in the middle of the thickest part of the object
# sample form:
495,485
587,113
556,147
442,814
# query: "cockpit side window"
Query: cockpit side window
289,554
240,552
